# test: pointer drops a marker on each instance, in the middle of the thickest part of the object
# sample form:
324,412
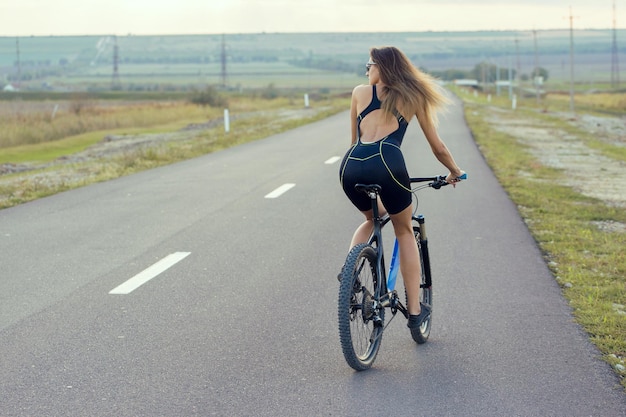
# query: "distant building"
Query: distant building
466,83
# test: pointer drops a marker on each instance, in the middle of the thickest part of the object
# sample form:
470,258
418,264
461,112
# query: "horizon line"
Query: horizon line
310,32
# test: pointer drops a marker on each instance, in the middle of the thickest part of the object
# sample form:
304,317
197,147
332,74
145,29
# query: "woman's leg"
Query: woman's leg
410,265
361,234
364,231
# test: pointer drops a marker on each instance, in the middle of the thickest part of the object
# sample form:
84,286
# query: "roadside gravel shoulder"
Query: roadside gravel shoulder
78,169
587,170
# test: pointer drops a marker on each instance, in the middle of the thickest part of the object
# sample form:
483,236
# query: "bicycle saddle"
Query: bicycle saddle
368,188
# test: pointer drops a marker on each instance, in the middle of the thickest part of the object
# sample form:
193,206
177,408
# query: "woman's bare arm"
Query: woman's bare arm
439,148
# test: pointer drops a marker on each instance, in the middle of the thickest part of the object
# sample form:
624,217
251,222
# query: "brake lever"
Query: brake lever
441,181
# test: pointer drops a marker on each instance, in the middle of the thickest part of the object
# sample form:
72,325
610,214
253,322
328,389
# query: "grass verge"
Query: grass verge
586,260
27,186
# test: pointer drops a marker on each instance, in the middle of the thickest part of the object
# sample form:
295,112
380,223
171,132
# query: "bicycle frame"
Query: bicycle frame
376,237
387,282
387,295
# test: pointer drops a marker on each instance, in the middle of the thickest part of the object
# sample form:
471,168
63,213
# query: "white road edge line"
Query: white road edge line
332,160
280,190
149,273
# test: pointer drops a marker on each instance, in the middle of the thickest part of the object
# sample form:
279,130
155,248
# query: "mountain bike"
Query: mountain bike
366,290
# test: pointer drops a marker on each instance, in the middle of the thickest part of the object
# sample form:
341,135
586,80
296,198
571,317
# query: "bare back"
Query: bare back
374,126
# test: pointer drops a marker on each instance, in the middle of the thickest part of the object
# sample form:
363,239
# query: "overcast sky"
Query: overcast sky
143,17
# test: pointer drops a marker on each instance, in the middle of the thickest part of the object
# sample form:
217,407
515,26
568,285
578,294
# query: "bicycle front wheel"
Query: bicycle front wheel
359,315
420,334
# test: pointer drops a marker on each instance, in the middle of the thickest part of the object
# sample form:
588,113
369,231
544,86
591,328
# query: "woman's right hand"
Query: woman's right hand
452,178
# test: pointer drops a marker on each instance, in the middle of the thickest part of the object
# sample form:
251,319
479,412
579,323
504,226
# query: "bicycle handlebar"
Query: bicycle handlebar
435,182
438,181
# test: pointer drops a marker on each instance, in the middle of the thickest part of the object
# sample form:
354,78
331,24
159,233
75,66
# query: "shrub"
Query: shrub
209,97
270,92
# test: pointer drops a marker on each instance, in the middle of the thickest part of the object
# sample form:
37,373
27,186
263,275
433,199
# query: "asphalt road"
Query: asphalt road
243,323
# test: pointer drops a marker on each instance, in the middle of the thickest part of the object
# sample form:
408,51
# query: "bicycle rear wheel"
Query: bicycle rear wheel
420,334
360,321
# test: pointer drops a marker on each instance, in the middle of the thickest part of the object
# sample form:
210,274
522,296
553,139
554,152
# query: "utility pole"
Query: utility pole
510,77
518,68
115,81
536,71
223,56
18,63
614,53
483,72
497,79
571,60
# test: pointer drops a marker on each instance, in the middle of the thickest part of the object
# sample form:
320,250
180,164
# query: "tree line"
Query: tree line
482,72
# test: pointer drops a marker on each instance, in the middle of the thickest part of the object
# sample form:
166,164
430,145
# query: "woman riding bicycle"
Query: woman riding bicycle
379,115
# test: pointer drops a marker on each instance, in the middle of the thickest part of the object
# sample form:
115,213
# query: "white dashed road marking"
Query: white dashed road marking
149,273
280,190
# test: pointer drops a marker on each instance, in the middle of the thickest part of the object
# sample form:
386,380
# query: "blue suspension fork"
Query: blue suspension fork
395,257
391,298
393,267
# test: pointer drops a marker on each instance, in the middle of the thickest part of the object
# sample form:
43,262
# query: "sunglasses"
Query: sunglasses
368,65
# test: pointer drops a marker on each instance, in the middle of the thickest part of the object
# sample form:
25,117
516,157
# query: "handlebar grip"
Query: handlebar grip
441,181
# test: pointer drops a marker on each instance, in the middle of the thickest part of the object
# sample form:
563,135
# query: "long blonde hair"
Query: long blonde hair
407,89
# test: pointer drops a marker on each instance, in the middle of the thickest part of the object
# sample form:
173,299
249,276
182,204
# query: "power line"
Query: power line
518,67
18,63
614,53
571,60
115,82
223,56
536,71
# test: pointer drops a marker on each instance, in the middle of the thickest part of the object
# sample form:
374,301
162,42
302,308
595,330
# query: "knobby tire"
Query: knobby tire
359,335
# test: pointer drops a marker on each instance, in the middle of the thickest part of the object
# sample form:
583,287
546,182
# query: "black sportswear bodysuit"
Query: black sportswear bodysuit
379,162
